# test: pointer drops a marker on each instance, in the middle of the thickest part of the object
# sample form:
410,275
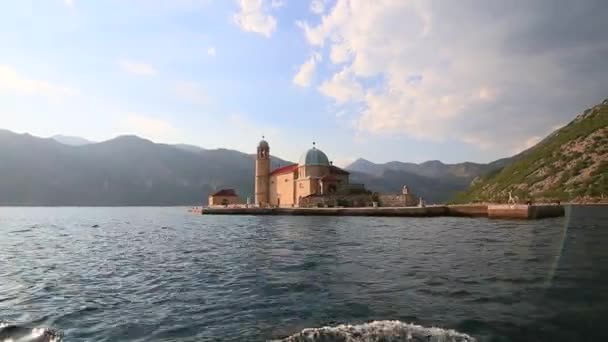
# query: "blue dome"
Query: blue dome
314,157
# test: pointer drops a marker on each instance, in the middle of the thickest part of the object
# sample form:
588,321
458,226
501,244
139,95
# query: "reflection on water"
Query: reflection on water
160,274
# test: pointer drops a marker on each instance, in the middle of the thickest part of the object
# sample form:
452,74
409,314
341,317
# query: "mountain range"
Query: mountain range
569,164
71,140
432,180
128,170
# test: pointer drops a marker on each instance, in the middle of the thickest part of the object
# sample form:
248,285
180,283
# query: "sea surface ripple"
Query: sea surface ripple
162,274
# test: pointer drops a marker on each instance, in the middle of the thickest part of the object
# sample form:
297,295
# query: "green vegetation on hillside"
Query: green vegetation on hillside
571,164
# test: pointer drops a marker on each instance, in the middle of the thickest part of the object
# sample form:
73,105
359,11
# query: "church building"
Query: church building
287,185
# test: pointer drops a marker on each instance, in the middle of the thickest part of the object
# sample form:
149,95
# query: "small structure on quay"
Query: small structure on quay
223,197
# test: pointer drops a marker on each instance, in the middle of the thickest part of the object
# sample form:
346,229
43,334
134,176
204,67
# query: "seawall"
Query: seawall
491,211
522,211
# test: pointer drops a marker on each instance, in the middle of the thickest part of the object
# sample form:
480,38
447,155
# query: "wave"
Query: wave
385,331
16,333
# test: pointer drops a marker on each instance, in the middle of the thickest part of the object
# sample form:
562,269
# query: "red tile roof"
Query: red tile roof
291,168
225,192
284,169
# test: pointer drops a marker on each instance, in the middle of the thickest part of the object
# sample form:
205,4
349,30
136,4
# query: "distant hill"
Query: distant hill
433,190
70,140
431,168
190,148
571,164
127,170
433,180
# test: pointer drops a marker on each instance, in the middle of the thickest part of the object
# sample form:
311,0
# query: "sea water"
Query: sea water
163,274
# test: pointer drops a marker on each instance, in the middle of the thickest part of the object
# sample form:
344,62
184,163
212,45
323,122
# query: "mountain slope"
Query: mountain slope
570,164
433,190
123,171
431,168
433,180
70,140
129,170
191,148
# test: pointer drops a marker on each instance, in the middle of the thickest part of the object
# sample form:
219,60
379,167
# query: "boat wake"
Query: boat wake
16,333
385,331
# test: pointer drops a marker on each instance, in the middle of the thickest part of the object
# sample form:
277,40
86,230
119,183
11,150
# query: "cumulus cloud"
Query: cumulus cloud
137,68
304,76
12,80
317,6
211,51
436,71
277,3
253,16
342,87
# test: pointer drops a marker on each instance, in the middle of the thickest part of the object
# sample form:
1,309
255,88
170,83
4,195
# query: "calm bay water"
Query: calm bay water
162,274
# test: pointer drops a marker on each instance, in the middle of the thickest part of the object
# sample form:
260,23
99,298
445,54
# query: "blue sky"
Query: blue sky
383,80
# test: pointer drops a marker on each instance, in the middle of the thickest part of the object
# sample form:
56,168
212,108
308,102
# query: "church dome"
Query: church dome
314,157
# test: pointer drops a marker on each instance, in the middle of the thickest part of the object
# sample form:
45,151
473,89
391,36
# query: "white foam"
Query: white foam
386,331
37,332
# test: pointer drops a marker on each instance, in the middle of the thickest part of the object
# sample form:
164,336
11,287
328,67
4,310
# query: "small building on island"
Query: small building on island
223,197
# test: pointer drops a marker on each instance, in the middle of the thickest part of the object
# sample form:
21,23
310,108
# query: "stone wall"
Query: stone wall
468,210
223,200
397,200
359,200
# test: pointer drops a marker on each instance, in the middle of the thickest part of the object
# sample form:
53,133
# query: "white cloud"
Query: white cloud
211,51
11,80
277,3
342,87
152,128
137,68
480,141
339,53
486,94
191,92
253,17
304,76
403,68
69,3
317,6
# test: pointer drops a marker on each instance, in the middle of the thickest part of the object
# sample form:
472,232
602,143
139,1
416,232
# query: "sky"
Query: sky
383,80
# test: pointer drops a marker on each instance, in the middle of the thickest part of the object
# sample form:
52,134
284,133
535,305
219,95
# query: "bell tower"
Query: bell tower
262,173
